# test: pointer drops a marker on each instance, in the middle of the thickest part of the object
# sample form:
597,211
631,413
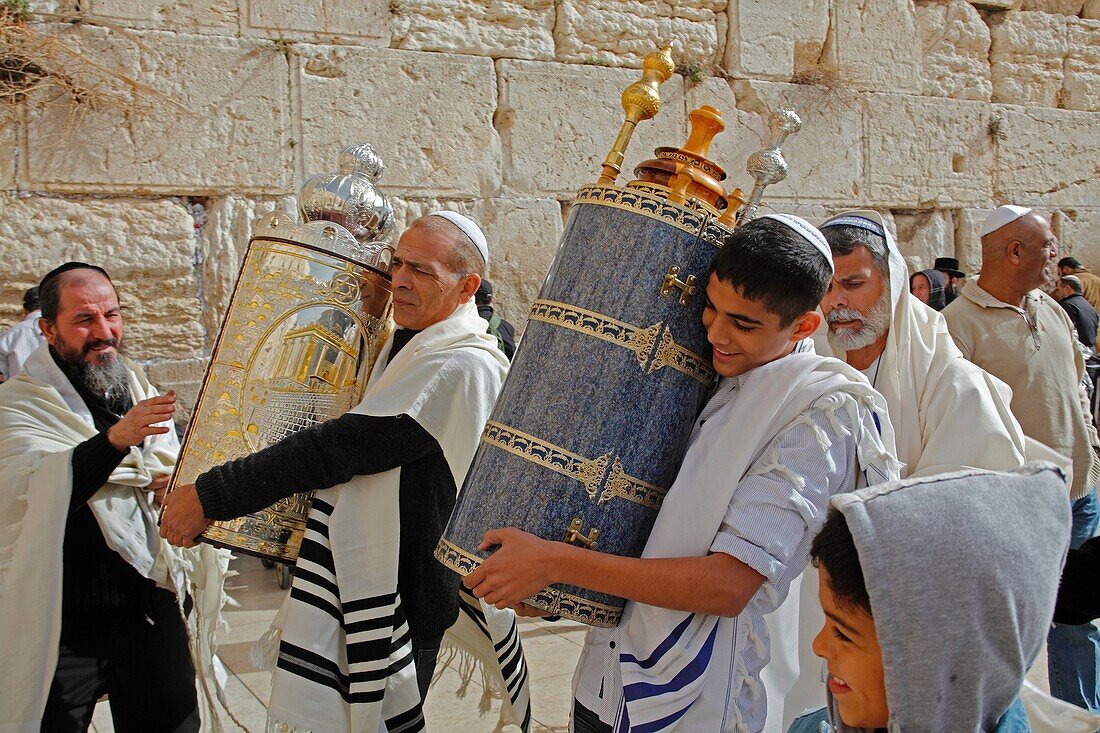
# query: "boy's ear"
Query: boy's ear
805,325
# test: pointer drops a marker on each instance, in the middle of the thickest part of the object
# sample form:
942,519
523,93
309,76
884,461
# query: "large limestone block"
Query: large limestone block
185,377
968,240
1081,87
1027,57
216,118
218,17
1091,10
1079,235
921,151
997,4
523,236
558,122
824,158
922,236
618,33
1063,7
430,116
360,20
1048,157
512,28
956,51
878,45
223,240
147,246
765,38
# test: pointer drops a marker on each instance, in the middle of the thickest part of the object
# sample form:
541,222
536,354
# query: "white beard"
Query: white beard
873,325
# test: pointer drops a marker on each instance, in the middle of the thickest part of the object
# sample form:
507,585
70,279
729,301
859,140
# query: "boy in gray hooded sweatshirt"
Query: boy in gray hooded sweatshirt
938,593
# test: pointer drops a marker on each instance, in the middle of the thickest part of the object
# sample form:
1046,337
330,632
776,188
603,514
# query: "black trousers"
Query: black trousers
138,657
425,654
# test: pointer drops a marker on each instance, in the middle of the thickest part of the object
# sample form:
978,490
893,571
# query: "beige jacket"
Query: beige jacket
1033,350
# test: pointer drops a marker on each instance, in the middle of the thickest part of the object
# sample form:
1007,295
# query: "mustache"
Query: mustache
96,343
841,315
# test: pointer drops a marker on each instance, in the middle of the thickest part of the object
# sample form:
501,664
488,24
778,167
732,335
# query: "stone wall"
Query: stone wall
213,111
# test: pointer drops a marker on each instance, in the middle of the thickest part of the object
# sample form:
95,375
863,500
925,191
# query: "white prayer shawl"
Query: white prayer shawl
42,419
447,378
948,414
677,667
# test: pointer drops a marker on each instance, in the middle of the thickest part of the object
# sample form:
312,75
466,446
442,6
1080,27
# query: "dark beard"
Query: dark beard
106,376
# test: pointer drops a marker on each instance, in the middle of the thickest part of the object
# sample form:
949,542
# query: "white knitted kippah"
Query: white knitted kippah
469,228
1001,216
807,231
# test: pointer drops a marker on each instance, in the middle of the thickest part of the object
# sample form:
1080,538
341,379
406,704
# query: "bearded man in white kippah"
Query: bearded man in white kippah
369,603
1007,325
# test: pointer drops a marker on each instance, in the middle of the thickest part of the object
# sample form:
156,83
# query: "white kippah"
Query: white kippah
807,231
469,228
1002,215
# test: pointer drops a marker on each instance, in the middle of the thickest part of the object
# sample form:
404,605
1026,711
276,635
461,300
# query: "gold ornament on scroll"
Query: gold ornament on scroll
310,311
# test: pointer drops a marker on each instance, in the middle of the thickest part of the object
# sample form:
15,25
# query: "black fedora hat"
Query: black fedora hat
949,265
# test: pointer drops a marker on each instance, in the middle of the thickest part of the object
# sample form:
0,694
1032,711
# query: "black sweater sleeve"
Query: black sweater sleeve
317,457
93,460
1079,594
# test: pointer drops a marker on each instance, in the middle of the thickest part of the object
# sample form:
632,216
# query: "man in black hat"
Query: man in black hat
949,266
84,440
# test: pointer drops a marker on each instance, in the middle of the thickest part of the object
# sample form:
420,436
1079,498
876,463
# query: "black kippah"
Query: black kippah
74,265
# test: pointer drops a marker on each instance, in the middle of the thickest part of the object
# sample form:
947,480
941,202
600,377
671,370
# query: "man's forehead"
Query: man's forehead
87,287
860,261
420,244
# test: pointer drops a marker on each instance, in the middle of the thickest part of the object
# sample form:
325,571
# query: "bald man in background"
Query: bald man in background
1007,325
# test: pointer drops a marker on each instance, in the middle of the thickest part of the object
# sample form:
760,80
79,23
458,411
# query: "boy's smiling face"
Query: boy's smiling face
849,645
744,334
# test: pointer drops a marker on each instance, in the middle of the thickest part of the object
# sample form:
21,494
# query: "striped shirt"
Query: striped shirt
769,525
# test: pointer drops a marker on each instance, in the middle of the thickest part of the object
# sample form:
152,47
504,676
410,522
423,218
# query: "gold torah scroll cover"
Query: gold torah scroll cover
301,334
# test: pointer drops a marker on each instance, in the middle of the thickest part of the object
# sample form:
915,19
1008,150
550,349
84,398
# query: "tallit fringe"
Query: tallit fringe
213,695
467,665
264,652
770,464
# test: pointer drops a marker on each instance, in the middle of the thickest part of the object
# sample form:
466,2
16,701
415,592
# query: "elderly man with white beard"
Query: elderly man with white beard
947,413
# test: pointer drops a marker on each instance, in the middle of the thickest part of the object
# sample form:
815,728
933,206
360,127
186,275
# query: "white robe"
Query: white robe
42,419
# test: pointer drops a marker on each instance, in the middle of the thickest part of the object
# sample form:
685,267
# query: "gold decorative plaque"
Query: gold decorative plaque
310,311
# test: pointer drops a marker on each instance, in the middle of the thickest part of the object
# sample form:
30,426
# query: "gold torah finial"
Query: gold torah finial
641,100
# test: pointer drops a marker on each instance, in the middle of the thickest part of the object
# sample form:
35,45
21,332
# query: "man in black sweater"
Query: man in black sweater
1080,311
120,634
423,417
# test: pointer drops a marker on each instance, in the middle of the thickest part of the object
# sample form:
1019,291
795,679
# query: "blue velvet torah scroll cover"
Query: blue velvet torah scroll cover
594,417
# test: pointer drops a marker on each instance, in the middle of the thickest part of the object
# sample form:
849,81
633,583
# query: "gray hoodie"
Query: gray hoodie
962,571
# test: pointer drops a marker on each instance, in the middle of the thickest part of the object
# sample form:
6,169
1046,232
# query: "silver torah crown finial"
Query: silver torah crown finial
349,196
767,166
